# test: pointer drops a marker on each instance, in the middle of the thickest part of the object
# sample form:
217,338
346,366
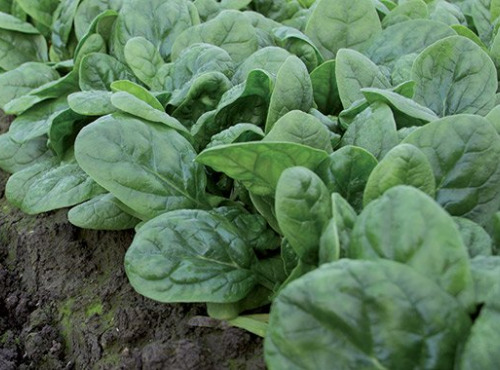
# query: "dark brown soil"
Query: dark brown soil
65,303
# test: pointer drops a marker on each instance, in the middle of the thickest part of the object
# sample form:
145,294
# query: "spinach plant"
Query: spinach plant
322,173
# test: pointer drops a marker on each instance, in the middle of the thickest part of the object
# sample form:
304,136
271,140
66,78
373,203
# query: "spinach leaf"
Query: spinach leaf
475,238
230,30
302,128
23,79
455,76
169,262
325,89
239,133
40,10
144,60
342,24
50,184
364,314
16,156
353,72
407,226
346,172
98,71
478,351
91,103
269,59
405,164
374,130
463,152
259,165
303,210
404,38
147,166
101,213
17,48
158,21
292,90
62,24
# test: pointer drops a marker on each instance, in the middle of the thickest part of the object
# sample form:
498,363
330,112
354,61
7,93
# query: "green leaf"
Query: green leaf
168,262
480,350
40,10
36,121
269,59
303,210
405,164
240,133
230,30
11,23
64,127
158,21
91,103
18,48
406,111
50,184
364,315
133,105
148,167
144,59
259,165
486,274
374,130
344,217
453,76
342,24
463,151
23,79
98,71
353,72
293,90
325,90
302,128
137,91
346,172
50,90
475,238
411,9
88,10
101,213
405,38
16,156
407,226
62,25
299,44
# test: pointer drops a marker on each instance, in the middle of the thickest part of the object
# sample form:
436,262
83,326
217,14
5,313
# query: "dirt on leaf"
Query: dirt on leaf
65,303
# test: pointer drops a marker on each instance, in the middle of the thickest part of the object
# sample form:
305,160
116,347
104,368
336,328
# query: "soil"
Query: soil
65,303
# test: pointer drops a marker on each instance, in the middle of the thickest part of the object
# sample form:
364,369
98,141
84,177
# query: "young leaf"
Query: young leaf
303,210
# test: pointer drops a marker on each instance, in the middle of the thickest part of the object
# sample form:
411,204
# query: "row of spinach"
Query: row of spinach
338,159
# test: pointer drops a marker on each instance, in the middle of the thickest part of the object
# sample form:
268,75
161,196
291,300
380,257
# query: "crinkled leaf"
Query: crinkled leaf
16,156
475,238
101,213
454,76
463,151
364,314
149,167
342,24
407,226
169,262
144,59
